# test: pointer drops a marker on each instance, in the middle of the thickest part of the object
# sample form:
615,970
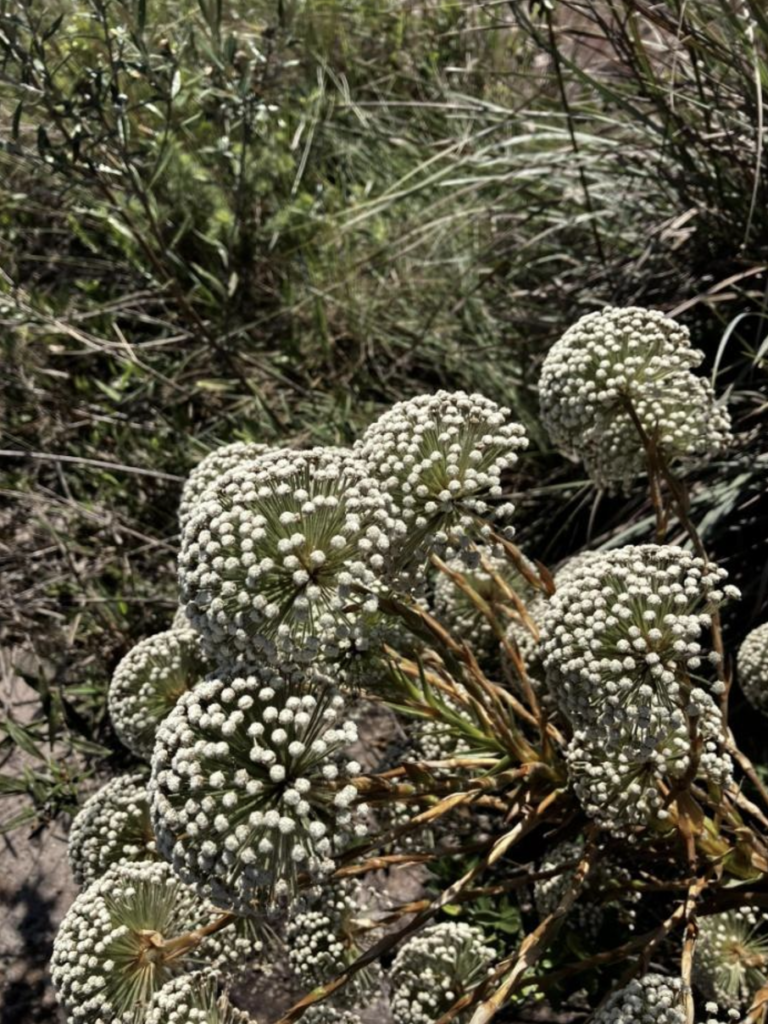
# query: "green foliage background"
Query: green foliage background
267,220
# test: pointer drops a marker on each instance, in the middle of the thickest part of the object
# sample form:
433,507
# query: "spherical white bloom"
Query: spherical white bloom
731,961
606,878
148,682
434,969
214,465
652,999
616,770
321,945
466,622
752,666
527,645
617,358
283,557
623,634
109,956
250,788
112,827
437,739
547,892
194,999
440,459
587,915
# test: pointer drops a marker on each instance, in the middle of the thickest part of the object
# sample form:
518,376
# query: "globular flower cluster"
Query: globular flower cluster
525,640
752,667
282,557
112,827
731,961
623,632
607,894
621,646
109,958
548,892
321,945
149,681
652,999
250,786
440,459
434,969
491,579
194,999
214,465
435,740
618,368
616,771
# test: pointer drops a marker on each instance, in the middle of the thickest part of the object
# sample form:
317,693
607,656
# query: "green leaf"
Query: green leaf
9,784
21,738
26,815
54,28
16,119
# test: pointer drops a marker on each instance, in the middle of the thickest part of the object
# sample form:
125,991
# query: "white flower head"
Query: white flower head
620,771
623,634
109,956
282,557
325,1014
435,968
112,827
752,667
456,609
731,961
148,682
321,944
652,999
250,788
440,458
617,358
194,999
